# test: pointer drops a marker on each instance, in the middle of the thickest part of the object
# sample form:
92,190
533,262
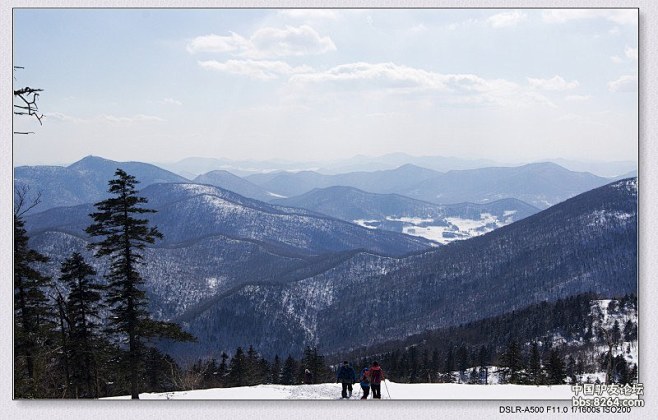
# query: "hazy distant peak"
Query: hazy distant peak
90,160
412,167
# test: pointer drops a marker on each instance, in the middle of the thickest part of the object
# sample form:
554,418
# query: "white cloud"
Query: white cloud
291,41
578,98
266,42
625,83
217,44
171,101
556,83
618,16
631,53
257,69
382,74
616,59
62,117
507,19
445,88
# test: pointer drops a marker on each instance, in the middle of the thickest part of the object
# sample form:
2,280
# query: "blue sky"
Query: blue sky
158,85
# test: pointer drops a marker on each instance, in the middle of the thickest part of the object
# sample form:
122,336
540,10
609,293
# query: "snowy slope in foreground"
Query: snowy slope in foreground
395,390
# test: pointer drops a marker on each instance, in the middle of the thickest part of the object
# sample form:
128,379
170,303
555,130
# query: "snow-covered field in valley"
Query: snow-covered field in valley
392,390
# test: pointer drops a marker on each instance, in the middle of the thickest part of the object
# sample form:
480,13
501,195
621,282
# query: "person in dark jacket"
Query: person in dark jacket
376,376
347,377
365,383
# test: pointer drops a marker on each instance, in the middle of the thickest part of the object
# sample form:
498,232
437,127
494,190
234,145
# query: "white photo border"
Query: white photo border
275,410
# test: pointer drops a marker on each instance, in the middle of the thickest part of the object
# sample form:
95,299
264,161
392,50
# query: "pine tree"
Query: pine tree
264,371
435,365
289,370
580,366
462,359
424,368
314,362
512,362
82,314
276,370
555,368
159,370
534,365
252,368
210,375
449,364
123,237
483,357
632,374
630,331
222,370
448,367
237,369
621,374
615,334
33,316
572,368
413,364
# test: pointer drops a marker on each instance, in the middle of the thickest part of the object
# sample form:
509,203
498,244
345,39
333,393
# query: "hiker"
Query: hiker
347,377
308,377
365,383
376,376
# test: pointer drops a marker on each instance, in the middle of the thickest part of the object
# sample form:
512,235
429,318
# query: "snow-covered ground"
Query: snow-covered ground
392,390
445,230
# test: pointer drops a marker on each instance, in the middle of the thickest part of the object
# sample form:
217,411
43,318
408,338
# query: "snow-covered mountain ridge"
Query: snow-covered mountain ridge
365,299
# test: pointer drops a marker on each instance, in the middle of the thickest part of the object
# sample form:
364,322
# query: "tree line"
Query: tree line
248,368
521,345
80,336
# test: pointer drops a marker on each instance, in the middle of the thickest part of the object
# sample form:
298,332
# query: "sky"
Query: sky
159,85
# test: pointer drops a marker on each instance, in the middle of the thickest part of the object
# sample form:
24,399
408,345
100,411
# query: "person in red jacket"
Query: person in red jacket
376,376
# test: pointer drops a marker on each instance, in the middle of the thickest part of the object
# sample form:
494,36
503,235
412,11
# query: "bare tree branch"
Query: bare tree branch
29,98
21,203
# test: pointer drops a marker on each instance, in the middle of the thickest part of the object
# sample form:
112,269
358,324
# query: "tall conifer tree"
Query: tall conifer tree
32,314
123,237
82,314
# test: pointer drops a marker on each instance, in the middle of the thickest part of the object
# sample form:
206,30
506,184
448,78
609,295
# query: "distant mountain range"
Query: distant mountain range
194,166
617,169
84,181
539,184
290,184
441,223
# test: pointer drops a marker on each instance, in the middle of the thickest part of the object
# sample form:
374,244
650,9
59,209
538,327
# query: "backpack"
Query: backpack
375,376
364,377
